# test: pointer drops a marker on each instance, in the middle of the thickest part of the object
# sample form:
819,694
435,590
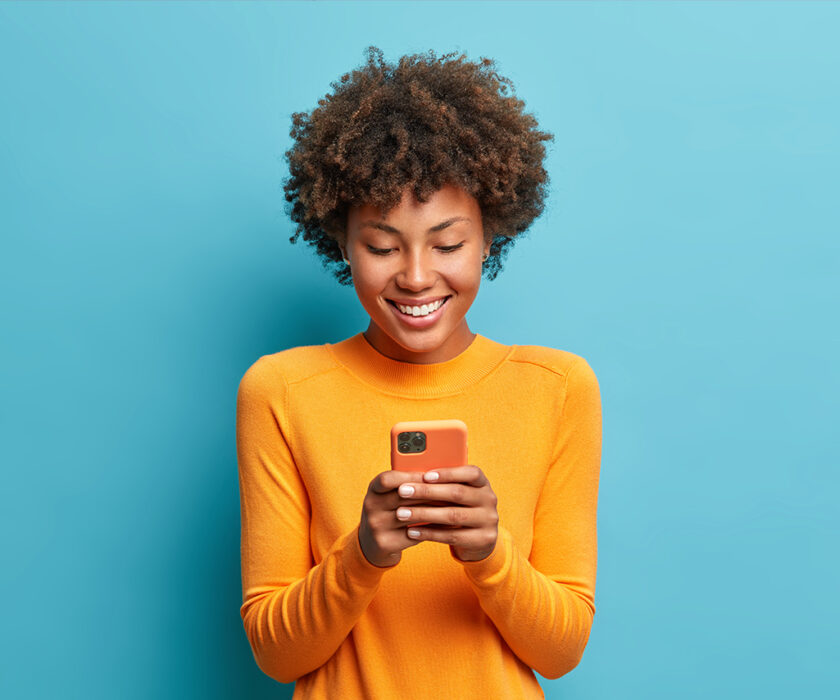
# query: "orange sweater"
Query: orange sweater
312,431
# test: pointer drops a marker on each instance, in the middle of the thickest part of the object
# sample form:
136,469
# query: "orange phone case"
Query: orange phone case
446,446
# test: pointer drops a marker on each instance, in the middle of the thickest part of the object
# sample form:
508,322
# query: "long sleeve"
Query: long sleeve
295,615
543,606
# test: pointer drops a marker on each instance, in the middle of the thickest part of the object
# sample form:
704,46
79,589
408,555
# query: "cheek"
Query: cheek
465,277
369,280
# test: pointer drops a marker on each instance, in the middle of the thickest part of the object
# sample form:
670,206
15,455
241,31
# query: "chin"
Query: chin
421,341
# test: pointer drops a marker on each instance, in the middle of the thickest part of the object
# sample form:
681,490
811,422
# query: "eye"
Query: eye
379,251
450,248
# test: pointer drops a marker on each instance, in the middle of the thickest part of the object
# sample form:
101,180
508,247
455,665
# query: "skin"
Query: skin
415,262
417,266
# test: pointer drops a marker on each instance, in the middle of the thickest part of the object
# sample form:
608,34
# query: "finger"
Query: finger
459,493
451,516
467,474
391,479
459,537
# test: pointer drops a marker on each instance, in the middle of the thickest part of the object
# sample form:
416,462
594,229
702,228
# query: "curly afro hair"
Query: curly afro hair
423,123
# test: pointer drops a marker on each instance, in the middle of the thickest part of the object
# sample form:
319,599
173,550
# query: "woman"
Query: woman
412,180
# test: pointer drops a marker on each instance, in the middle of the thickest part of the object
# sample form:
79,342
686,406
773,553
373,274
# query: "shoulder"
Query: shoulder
277,371
563,363
566,372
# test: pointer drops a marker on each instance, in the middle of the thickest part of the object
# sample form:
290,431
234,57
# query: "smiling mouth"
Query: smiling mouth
420,311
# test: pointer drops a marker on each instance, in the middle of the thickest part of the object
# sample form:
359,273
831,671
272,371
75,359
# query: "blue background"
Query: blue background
689,250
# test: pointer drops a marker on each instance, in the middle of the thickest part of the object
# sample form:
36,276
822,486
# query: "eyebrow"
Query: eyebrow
439,227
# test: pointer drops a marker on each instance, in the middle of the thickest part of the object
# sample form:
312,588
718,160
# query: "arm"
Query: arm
295,615
543,606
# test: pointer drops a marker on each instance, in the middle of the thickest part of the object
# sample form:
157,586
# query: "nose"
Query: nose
416,272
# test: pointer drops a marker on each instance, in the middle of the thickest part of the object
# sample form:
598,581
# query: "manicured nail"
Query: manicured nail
414,533
432,476
406,490
403,513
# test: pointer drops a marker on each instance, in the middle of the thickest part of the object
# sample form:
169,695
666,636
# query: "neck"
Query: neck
458,341
417,380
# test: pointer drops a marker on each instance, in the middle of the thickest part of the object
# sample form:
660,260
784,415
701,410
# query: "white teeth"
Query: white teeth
424,310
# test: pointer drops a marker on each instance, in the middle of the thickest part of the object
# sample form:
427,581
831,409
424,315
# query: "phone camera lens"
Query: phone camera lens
404,447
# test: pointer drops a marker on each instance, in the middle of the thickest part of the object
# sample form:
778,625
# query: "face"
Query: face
421,253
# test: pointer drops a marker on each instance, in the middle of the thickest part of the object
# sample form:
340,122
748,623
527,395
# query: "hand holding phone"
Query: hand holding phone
420,446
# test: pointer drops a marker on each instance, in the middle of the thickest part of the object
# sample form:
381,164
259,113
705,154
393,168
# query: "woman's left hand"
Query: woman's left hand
470,528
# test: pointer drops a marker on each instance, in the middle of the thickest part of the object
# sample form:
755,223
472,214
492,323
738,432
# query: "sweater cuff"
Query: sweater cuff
494,567
355,562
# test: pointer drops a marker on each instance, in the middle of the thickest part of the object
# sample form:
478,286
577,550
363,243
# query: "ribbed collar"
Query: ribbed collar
412,380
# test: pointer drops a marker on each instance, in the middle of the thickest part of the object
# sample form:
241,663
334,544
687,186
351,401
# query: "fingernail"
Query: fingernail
403,513
406,490
432,476
414,533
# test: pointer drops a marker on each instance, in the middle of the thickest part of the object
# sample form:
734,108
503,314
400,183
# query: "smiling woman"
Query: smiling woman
427,257
412,181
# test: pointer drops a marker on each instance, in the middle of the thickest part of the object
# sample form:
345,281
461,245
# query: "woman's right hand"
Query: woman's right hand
382,536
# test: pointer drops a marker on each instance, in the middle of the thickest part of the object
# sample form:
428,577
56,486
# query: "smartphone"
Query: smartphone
420,446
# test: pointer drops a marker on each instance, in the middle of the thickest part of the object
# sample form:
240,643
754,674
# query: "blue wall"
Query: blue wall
689,251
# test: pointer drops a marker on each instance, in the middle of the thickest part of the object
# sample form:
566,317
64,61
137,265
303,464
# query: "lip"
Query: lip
418,302
420,321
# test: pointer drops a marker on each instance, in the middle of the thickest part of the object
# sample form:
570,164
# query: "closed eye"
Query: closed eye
379,251
443,248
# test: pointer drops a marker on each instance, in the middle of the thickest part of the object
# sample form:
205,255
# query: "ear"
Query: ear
343,250
487,248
